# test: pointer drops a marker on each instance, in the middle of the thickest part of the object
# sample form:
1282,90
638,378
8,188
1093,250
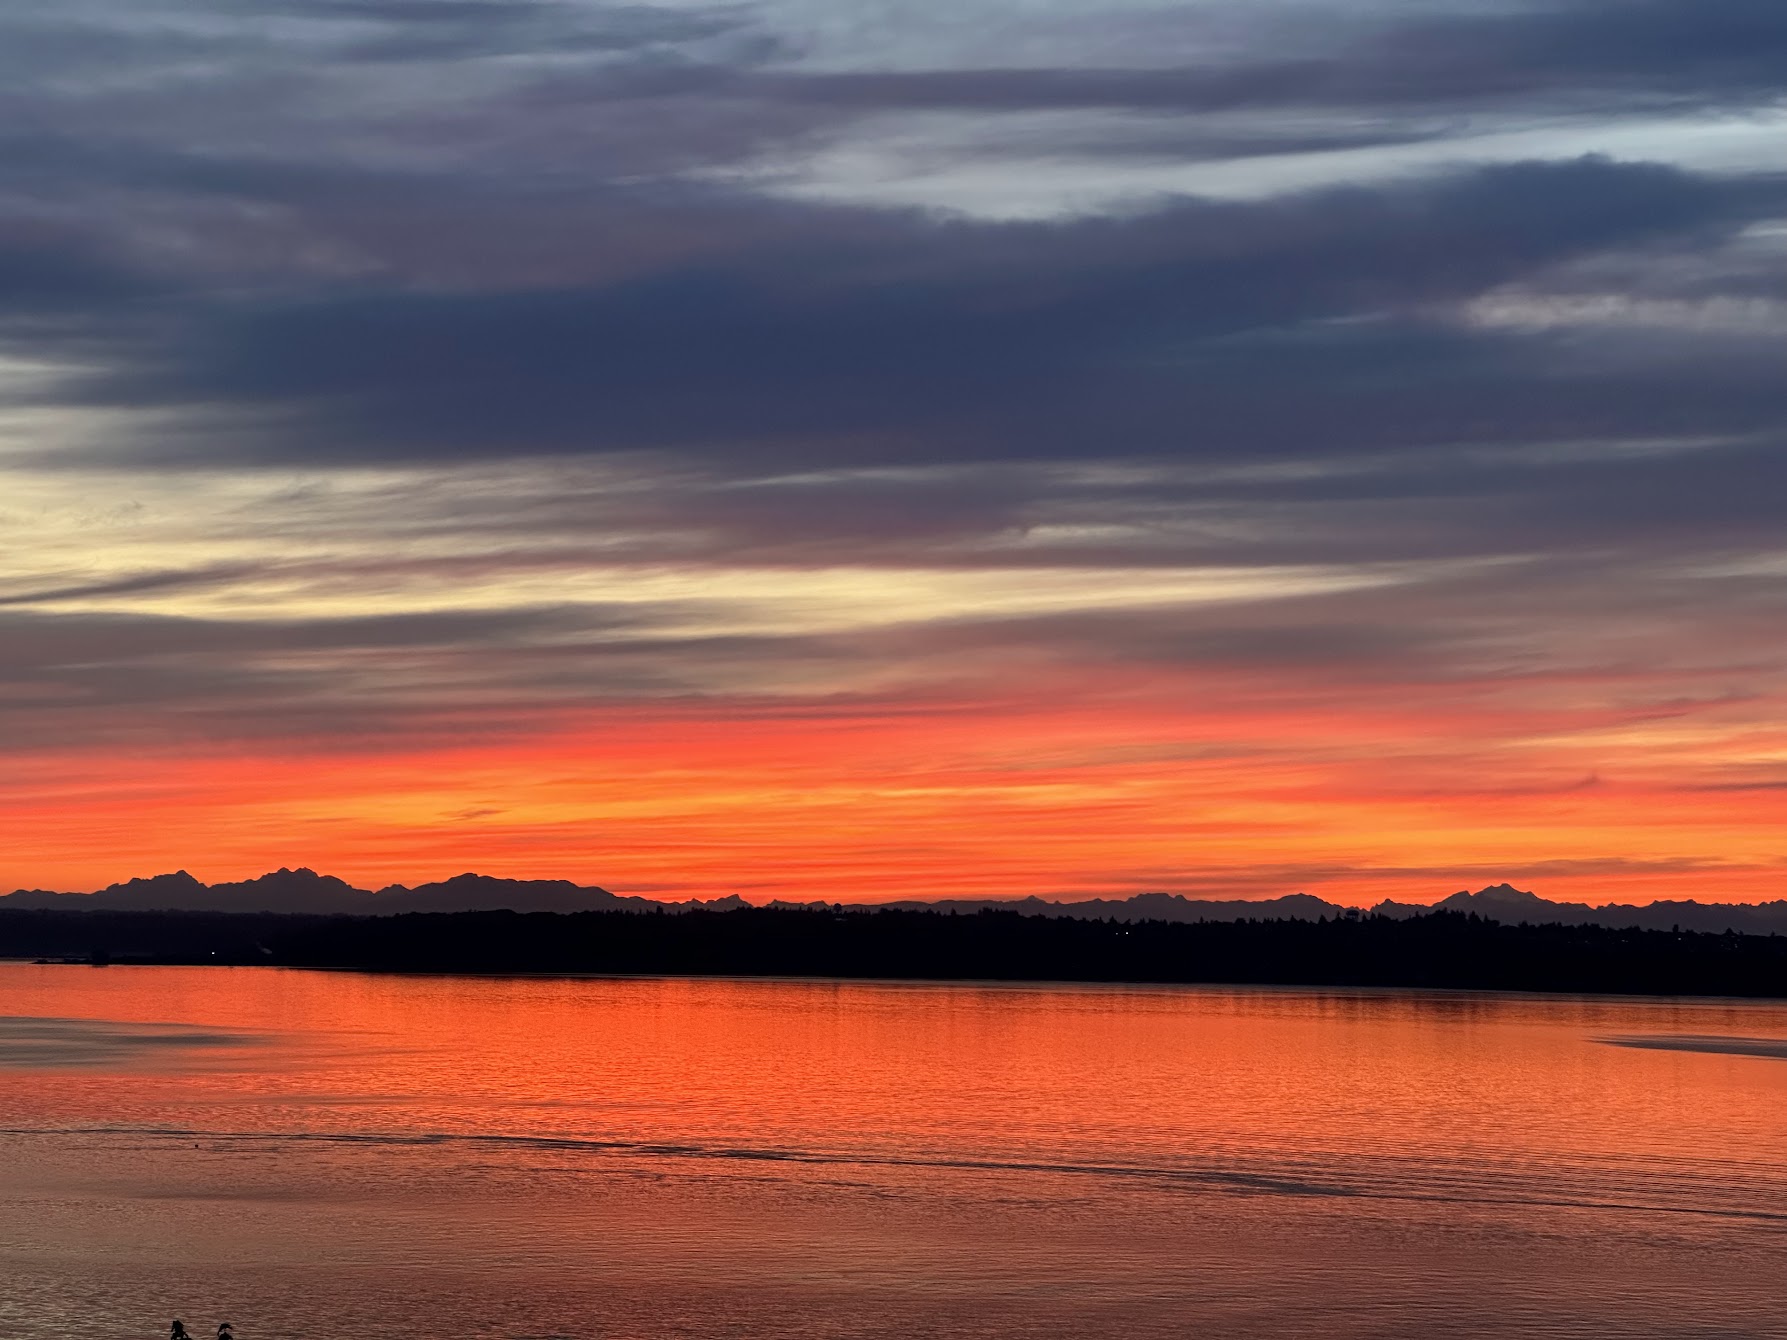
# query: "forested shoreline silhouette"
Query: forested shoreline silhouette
1440,950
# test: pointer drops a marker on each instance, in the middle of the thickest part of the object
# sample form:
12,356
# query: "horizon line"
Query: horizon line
1058,898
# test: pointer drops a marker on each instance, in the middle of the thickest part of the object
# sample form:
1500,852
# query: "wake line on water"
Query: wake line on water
1221,1180
547,1143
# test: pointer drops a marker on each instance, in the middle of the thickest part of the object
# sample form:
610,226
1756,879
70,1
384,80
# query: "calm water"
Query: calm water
322,1155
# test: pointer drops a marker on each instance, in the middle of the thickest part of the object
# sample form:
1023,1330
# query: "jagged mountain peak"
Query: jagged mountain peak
1503,893
175,879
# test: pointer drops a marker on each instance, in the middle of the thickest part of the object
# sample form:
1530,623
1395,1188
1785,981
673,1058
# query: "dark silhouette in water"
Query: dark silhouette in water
1447,949
178,1331
224,1332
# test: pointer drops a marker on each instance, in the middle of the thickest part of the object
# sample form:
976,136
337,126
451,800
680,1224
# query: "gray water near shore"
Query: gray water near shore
318,1155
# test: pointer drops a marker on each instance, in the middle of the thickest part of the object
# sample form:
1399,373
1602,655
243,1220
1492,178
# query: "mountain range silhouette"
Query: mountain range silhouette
305,891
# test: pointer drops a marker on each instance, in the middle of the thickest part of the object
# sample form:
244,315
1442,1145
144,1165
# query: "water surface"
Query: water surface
316,1154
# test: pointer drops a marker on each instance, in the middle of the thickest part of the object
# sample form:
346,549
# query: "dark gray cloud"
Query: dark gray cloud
457,234
159,679
414,30
1613,55
137,583
840,339
50,273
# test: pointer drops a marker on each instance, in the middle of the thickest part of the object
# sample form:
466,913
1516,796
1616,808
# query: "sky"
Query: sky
889,449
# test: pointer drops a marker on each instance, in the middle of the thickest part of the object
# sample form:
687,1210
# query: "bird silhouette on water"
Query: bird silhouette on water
178,1331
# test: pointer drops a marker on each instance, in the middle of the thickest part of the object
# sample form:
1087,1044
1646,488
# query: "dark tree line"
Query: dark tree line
1441,950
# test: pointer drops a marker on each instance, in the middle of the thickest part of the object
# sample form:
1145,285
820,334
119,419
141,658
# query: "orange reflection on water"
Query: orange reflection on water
645,1158
1132,1073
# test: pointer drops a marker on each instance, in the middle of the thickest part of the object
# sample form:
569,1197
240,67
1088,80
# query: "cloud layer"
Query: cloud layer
1273,442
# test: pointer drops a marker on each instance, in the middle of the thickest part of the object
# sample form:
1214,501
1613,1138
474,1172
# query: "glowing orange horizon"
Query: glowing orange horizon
1229,788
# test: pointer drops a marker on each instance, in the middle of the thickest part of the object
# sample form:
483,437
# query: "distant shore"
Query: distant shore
305,891
1443,950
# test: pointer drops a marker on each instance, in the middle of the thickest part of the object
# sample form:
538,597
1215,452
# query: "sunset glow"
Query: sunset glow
968,728
776,452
